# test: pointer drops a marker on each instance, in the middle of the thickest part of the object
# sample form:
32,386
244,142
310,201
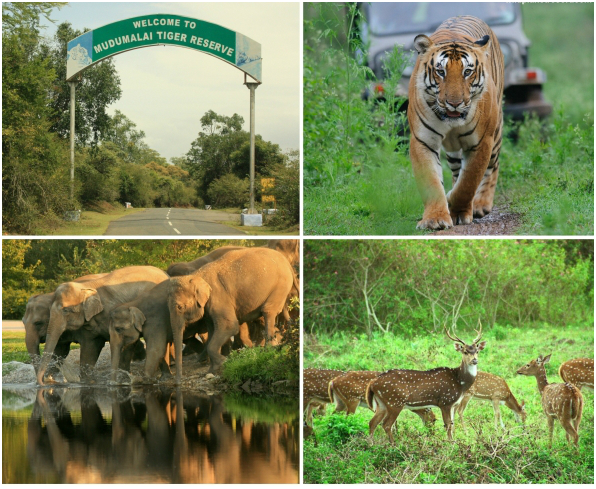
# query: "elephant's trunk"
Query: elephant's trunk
178,323
55,330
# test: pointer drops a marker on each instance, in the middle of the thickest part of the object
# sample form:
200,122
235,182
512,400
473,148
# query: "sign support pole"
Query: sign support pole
252,87
72,137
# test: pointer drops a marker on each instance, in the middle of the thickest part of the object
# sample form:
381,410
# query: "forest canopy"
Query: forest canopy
409,286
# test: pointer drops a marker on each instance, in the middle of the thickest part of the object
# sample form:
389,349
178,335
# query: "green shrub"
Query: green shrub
229,191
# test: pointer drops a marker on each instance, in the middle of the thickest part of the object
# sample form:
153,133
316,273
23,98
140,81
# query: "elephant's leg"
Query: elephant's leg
157,349
245,335
60,353
90,350
126,356
225,328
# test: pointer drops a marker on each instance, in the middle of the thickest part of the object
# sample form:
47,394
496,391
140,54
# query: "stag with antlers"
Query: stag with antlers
559,401
441,387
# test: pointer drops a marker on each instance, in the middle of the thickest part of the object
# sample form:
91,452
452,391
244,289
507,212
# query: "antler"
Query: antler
456,339
479,333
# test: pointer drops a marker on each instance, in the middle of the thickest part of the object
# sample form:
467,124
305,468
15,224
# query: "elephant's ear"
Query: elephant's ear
138,318
91,303
202,291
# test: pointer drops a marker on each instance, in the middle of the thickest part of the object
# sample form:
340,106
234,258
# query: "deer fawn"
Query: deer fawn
579,372
315,389
442,387
559,401
349,391
493,388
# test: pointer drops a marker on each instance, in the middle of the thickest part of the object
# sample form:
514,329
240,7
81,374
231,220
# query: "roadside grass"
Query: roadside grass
91,223
357,174
14,348
480,454
565,50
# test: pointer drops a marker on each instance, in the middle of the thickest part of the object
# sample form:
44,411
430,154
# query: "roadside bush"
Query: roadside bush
229,191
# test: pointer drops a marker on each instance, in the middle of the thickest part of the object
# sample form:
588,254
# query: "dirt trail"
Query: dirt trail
500,222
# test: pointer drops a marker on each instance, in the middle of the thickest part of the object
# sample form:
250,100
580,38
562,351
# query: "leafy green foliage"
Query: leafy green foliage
413,284
268,364
228,191
480,454
17,278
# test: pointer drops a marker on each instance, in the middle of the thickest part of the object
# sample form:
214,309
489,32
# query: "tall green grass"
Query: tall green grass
480,454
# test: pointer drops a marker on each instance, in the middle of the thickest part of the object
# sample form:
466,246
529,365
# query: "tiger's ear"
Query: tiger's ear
422,43
484,42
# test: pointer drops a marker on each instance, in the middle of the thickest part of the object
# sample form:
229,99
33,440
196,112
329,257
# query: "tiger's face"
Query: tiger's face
452,76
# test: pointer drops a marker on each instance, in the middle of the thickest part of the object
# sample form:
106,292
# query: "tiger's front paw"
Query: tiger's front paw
465,217
482,207
436,220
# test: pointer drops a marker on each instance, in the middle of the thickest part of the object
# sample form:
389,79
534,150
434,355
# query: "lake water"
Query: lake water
146,435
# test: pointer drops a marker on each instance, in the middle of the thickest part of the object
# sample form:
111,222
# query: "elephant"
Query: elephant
290,248
147,316
186,268
84,307
240,286
36,319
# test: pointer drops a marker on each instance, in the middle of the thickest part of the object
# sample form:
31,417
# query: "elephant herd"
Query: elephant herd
214,296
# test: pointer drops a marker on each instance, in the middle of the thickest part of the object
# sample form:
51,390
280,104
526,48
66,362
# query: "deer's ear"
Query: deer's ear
481,345
458,347
546,359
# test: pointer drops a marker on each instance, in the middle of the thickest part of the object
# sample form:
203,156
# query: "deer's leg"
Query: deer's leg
570,430
380,414
389,421
447,413
461,408
497,410
309,408
351,405
551,427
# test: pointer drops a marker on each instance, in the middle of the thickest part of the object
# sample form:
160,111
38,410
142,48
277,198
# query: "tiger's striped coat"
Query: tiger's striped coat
455,102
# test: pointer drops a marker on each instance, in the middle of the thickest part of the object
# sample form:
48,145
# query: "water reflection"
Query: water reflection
93,435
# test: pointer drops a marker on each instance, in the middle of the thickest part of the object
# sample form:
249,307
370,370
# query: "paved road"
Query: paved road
12,325
174,222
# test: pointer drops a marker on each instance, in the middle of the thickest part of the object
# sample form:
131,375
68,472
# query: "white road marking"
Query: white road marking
176,230
170,223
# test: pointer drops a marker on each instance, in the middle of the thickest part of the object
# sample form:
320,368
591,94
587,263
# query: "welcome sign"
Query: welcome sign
163,29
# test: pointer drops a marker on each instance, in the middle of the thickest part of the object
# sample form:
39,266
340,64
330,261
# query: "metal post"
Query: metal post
72,137
252,87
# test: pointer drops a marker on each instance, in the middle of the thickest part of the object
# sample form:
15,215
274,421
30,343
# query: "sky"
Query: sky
166,89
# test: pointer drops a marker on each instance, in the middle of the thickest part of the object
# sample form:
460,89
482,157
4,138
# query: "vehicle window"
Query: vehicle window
396,18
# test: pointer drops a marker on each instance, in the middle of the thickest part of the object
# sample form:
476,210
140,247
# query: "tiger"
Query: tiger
455,101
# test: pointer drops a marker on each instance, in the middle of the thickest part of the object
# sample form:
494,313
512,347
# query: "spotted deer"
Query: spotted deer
559,401
579,372
442,387
490,387
348,391
315,389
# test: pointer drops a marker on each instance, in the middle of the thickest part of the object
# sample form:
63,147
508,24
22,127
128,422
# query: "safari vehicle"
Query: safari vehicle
385,25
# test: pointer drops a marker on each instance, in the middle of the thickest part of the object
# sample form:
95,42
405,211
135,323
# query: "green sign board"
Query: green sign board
163,29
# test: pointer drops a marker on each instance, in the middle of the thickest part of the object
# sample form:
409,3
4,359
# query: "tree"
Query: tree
34,173
123,133
96,89
287,189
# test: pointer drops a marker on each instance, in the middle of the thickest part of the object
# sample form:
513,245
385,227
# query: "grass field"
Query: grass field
481,453
358,180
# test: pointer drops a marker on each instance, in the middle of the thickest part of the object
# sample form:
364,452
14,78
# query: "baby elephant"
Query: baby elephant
147,316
